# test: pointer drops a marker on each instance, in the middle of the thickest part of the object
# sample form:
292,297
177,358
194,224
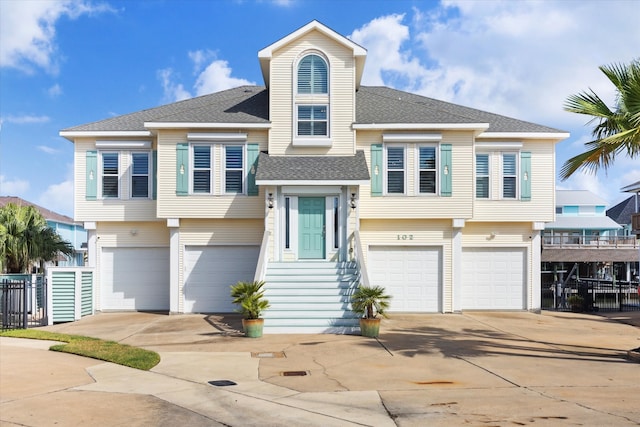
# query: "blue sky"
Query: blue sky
65,63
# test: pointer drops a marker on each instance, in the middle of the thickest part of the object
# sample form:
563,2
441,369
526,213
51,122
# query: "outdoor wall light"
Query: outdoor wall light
353,201
270,201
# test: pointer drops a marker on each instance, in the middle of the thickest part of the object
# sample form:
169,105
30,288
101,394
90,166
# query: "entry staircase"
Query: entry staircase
310,297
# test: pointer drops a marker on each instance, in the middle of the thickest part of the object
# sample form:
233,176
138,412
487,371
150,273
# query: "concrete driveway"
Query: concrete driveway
479,368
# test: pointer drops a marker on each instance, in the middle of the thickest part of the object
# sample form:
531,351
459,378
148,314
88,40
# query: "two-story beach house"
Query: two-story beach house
314,183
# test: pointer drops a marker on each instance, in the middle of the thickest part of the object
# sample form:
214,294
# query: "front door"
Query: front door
311,226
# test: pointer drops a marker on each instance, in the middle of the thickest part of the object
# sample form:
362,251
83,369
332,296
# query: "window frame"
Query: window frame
385,162
487,176
515,176
311,99
435,170
242,169
312,75
311,121
149,175
193,169
117,174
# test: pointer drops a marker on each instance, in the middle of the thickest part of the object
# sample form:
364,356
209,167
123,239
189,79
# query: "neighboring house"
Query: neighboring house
66,227
314,183
624,212
583,235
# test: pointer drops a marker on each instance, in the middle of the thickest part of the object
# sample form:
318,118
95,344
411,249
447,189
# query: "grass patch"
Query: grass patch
109,351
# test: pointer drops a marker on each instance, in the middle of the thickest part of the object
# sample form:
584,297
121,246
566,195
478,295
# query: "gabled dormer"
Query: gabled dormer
312,76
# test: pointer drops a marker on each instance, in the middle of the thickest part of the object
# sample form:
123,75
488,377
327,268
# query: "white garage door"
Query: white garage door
412,275
493,278
210,271
134,279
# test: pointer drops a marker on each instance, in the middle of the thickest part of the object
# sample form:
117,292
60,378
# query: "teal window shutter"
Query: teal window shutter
252,163
445,170
92,175
182,169
154,171
525,175
376,170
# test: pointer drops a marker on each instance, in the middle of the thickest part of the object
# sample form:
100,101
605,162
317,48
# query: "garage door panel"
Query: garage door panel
134,279
209,273
493,278
410,274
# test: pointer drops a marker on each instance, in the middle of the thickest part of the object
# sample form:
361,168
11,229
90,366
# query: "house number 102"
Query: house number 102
405,236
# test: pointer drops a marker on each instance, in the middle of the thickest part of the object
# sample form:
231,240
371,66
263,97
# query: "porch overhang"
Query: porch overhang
312,170
589,255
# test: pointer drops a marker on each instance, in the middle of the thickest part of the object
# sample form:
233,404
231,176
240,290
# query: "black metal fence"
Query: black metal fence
23,303
590,295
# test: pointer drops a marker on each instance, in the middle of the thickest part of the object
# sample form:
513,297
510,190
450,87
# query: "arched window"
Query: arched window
312,75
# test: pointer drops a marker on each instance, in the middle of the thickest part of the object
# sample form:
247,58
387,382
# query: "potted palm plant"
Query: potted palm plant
369,302
249,296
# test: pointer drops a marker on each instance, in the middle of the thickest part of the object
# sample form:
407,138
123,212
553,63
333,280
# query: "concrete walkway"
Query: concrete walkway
478,368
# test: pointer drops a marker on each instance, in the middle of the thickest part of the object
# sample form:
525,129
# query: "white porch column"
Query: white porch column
174,264
536,267
92,241
456,263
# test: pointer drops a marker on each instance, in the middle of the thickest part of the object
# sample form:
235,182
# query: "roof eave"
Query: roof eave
526,135
204,125
71,134
478,128
311,182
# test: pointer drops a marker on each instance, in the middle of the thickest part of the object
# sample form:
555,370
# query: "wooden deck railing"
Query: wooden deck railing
590,242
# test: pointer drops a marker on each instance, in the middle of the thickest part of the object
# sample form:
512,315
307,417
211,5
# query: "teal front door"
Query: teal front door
311,228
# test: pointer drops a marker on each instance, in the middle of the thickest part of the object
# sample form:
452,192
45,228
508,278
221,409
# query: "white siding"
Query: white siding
541,207
106,210
342,96
414,205
202,206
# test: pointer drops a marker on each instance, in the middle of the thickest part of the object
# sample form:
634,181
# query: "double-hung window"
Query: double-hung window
482,176
427,165
312,101
395,170
202,169
110,175
140,176
509,176
234,169
312,120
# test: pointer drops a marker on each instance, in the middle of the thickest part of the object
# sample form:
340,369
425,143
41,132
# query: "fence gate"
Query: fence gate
23,301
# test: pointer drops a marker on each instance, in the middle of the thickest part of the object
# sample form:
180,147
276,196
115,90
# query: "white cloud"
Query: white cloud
214,77
47,149
54,91
59,198
14,187
172,91
26,119
28,29
217,77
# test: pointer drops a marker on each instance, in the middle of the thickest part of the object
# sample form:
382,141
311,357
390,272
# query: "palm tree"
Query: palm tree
26,238
617,131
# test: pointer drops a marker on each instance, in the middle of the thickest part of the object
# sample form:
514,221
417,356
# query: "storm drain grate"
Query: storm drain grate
268,354
294,373
222,383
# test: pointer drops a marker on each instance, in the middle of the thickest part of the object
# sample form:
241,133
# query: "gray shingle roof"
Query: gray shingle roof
250,104
621,213
385,105
312,168
244,104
